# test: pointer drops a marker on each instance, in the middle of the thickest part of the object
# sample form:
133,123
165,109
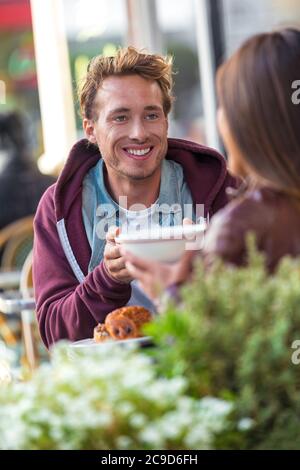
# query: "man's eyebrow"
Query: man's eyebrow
153,108
122,109
118,110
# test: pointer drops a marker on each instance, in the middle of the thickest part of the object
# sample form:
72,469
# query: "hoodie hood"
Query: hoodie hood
195,160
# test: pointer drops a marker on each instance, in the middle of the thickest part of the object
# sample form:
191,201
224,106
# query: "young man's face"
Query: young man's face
131,127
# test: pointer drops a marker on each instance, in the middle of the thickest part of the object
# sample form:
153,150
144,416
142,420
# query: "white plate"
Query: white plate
90,343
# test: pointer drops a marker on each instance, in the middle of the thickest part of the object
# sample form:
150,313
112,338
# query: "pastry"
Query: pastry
122,323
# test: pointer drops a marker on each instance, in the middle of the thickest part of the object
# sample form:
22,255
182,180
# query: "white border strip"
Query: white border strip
61,228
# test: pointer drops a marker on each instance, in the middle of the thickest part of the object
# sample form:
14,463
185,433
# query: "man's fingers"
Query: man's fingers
124,275
187,221
114,261
115,265
112,251
112,233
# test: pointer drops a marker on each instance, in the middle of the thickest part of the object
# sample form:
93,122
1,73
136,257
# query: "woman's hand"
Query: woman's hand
154,276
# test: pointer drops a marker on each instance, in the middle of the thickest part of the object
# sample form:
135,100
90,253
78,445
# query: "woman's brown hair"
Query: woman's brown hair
255,91
127,61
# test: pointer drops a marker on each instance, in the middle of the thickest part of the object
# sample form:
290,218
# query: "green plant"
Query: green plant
231,338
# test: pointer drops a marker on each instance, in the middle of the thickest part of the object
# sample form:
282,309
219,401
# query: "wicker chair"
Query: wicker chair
29,327
22,304
16,240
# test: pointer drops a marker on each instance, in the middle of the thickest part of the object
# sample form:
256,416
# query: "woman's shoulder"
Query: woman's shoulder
250,212
250,207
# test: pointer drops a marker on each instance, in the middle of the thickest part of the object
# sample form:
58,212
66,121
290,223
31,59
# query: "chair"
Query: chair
22,303
16,240
26,282
28,316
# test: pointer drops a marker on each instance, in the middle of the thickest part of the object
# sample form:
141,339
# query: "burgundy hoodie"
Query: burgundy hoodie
71,301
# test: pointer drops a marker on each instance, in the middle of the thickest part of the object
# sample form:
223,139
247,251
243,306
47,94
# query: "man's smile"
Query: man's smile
138,153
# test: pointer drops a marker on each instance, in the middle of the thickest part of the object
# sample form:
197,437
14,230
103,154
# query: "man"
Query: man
126,160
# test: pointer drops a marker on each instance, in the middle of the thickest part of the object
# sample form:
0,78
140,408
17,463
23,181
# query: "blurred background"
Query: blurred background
46,45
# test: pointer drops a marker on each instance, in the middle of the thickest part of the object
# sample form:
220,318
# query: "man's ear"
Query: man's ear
89,130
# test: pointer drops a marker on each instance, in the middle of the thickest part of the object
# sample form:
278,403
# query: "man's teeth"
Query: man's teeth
138,152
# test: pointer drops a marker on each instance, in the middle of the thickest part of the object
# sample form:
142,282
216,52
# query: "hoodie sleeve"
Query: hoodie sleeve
65,308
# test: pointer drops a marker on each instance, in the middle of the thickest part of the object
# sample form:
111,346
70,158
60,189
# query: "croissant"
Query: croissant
122,323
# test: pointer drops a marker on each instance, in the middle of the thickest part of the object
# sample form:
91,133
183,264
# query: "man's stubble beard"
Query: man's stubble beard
140,177
114,163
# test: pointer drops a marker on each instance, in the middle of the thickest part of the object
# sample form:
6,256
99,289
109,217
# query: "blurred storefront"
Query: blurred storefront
92,27
247,17
17,65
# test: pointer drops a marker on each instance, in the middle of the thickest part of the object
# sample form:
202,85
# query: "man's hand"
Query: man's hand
113,260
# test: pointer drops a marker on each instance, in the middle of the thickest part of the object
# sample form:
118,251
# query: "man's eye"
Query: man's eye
120,118
152,117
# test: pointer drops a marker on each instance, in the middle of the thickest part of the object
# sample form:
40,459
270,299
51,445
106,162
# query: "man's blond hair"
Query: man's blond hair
127,61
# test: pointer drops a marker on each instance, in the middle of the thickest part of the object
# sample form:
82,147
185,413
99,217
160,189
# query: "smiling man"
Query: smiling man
126,174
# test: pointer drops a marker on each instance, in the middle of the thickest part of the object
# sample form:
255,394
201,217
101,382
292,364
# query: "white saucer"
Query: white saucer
90,343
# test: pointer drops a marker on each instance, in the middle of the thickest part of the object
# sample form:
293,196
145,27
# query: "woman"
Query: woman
260,127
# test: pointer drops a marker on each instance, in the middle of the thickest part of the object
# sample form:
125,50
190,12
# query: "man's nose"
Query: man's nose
138,130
